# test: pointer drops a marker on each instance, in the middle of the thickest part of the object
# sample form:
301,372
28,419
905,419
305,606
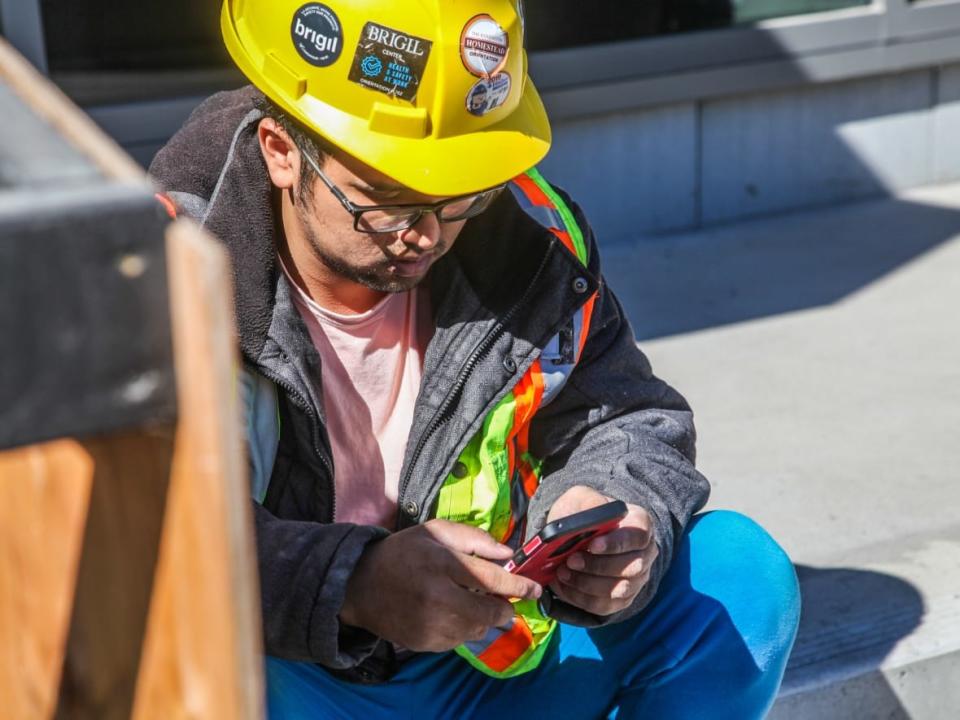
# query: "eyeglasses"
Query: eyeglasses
396,218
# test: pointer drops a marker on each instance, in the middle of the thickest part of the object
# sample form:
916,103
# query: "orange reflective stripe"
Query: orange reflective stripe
565,238
509,647
529,395
585,327
533,192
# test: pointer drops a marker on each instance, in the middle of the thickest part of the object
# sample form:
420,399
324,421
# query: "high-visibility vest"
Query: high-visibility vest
495,476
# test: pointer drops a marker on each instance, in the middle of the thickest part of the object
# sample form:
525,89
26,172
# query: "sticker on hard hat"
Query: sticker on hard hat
488,94
317,34
390,61
484,46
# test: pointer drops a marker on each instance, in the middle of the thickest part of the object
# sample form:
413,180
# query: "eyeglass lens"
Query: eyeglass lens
393,220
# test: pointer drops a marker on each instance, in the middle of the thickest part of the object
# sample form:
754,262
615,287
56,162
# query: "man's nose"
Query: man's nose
424,235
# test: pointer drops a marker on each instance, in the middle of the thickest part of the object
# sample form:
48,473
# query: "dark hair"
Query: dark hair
307,140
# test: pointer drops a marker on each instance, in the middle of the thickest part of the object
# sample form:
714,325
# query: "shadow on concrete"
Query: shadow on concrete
851,620
761,268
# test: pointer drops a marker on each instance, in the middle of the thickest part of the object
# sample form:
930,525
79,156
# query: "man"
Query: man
433,369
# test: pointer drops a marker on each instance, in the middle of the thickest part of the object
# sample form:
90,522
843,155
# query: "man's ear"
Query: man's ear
279,153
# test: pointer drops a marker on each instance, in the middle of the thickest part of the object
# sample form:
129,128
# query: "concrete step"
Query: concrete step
880,634
821,354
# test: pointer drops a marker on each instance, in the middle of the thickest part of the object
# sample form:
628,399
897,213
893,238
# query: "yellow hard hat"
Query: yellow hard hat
433,93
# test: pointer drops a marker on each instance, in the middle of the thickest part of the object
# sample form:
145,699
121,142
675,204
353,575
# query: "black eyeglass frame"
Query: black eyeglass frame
357,211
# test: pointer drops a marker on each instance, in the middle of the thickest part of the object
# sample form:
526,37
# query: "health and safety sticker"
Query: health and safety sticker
390,61
488,94
484,46
317,34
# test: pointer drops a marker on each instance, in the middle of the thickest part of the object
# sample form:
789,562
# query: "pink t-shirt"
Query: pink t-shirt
372,365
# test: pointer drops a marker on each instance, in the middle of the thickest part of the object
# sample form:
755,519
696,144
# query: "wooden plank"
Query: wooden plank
44,493
115,574
203,655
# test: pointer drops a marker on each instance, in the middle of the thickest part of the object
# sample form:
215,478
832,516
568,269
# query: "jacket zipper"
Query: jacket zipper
304,404
445,412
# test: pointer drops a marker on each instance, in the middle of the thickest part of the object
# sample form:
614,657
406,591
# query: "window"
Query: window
102,51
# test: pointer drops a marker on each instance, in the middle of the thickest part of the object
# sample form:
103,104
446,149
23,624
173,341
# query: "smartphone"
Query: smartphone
543,554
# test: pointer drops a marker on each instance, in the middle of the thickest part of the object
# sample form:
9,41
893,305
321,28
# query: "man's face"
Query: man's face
386,262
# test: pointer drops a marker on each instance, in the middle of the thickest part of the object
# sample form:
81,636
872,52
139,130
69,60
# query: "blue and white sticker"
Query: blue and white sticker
317,34
487,94
390,61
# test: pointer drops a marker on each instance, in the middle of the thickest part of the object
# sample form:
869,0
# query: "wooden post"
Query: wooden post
127,576
203,657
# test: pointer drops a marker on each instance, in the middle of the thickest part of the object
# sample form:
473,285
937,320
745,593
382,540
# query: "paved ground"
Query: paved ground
821,353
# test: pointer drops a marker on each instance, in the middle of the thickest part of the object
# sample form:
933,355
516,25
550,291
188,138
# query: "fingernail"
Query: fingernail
575,562
598,546
537,592
563,574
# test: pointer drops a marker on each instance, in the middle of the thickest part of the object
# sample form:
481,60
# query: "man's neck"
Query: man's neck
326,288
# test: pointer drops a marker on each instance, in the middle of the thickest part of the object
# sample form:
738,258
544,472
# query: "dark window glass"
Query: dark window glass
103,51
553,24
117,50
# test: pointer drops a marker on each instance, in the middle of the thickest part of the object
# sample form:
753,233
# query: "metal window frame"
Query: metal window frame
886,36
911,19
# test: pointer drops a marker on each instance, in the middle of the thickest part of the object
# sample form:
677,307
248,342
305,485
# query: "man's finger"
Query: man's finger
468,540
624,565
621,540
597,606
603,587
478,574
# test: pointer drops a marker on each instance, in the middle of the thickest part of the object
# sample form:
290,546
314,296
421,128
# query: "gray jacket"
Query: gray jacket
499,295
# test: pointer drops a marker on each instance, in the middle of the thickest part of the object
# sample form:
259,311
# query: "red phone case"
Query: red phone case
543,554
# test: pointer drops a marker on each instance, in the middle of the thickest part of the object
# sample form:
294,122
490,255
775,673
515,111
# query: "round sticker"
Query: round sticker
484,46
317,34
488,94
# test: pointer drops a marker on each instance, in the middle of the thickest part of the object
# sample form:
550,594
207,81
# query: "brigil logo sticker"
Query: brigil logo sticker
390,61
488,94
484,46
317,34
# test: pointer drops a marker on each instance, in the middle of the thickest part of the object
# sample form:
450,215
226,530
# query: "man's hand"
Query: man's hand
607,577
433,587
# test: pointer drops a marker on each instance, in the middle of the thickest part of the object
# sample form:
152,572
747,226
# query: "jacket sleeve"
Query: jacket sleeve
304,568
617,428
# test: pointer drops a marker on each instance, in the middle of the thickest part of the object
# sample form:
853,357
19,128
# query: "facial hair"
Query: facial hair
377,277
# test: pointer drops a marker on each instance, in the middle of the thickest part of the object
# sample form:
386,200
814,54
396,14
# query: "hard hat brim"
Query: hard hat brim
448,166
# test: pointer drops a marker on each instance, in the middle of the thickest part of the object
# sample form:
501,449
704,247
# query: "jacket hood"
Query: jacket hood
214,171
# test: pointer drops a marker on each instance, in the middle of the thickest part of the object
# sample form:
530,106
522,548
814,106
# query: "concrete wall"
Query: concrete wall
686,166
